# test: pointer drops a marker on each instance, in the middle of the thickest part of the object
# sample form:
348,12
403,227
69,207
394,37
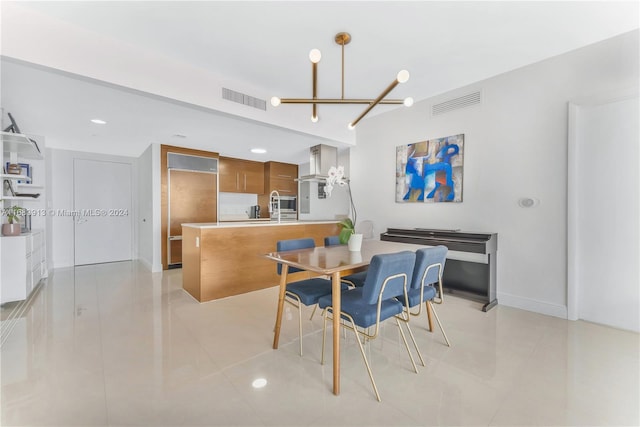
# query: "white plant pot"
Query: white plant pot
355,257
355,242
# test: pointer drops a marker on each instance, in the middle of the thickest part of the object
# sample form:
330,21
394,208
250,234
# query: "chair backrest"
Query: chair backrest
429,266
292,245
332,241
384,266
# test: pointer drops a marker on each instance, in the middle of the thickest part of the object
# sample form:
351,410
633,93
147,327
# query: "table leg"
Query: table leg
429,315
335,302
283,288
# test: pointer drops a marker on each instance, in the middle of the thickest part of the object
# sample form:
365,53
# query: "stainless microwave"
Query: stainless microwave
287,203
288,207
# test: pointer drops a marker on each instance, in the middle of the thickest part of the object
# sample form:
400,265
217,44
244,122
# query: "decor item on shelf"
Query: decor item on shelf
8,188
14,168
13,127
20,169
342,39
32,195
12,227
430,171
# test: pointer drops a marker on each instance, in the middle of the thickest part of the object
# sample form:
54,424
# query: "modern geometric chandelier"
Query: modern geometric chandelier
342,39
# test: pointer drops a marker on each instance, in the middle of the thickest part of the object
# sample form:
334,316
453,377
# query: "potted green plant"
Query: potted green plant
12,227
348,235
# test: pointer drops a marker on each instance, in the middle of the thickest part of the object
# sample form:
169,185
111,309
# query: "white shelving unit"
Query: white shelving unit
23,257
23,145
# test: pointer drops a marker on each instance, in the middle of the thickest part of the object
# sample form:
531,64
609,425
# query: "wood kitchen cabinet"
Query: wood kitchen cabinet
281,177
241,176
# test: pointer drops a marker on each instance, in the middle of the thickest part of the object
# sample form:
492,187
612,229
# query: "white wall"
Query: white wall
60,165
604,250
148,206
515,146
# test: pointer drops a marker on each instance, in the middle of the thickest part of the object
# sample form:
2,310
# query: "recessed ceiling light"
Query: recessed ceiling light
258,150
98,121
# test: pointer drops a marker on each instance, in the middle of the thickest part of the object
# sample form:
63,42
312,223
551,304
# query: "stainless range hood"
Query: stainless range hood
321,158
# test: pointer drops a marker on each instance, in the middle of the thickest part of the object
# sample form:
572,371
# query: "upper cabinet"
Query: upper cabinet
241,176
281,177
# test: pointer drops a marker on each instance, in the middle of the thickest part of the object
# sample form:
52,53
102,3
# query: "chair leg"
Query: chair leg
313,312
406,345
429,317
415,344
439,323
300,325
366,362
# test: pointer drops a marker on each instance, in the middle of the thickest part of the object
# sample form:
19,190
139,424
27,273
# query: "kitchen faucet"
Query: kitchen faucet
274,203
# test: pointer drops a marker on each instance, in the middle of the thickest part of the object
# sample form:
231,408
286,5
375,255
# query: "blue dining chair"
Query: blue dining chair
376,301
426,274
303,292
355,280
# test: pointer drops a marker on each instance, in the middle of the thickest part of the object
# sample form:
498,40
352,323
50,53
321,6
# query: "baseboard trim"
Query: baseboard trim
157,268
533,305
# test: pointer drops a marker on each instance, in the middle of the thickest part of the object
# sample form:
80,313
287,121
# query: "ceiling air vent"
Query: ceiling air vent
456,103
241,98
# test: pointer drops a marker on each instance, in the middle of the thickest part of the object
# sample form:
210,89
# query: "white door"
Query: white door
102,204
604,194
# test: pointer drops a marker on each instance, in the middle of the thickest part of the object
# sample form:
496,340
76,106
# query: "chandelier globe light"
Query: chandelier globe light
315,56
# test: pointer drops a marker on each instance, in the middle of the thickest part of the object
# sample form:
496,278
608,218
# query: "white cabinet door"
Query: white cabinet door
15,269
102,204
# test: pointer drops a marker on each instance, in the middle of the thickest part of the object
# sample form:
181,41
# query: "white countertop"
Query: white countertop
254,223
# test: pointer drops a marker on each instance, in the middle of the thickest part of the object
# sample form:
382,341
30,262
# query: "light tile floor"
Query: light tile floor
113,344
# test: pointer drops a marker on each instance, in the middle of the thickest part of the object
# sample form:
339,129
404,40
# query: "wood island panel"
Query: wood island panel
229,260
191,262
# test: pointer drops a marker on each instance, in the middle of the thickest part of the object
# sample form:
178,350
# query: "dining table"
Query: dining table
334,261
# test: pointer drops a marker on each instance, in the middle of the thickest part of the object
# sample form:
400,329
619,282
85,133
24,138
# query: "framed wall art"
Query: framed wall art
430,171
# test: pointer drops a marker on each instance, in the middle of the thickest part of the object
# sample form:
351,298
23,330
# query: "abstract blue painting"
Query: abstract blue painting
430,171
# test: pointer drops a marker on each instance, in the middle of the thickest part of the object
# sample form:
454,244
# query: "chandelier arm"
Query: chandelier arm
314,109
337,101
342,69
375,102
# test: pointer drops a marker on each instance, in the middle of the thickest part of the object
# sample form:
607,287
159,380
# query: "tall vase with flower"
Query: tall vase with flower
348,233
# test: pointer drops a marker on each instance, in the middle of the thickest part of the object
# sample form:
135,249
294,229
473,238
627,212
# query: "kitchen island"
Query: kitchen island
224,259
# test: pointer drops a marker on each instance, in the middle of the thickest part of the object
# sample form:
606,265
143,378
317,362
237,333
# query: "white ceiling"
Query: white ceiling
444,45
